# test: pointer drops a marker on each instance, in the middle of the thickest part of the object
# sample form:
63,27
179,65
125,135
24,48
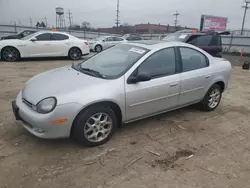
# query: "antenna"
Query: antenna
176,18
117,22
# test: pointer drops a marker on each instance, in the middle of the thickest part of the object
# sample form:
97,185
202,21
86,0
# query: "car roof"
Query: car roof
57,32
157,44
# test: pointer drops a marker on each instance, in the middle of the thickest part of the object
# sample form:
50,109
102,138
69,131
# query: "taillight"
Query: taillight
86,43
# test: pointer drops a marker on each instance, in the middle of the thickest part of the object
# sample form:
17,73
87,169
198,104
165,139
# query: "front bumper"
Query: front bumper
92,47
42,125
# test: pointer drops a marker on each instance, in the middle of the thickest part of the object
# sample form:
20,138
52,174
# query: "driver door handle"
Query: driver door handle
208,76
173,84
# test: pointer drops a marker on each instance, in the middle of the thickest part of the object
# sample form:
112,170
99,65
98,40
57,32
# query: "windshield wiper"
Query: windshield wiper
96,73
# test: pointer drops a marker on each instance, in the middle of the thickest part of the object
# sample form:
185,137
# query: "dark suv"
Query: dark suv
210,41
19,35
132,37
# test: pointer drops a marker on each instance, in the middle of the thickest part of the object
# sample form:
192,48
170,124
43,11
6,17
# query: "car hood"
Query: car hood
11,37
57,83
10,42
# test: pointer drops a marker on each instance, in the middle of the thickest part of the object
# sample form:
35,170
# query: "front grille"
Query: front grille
27,102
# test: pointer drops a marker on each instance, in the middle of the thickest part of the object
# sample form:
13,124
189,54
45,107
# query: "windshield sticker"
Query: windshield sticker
136,50
182,36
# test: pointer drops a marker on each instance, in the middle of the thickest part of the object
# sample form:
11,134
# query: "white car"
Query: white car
44,44
104,42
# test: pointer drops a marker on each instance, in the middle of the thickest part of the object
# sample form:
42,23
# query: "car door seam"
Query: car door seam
195,89
152,100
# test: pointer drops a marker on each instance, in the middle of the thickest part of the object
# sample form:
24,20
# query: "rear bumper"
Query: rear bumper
42,125
85,51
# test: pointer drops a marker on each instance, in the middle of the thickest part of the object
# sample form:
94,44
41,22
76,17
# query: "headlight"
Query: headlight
46,105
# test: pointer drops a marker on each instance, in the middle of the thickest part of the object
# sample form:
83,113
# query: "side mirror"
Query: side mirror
33,39
141,77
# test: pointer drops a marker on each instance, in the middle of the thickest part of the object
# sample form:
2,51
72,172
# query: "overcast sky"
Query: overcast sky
101,13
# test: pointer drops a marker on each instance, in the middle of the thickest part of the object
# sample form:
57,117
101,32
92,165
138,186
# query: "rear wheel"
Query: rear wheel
95,126
10,54
212,98
98,48
75,54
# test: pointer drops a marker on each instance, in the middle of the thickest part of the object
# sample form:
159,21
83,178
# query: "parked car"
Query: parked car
104,42
210,41
122,84
44,44
132,37
19,35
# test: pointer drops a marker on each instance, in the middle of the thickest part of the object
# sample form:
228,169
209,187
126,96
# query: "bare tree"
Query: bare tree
86,25
126,24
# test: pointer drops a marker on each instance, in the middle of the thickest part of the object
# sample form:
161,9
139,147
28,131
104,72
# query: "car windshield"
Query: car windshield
114,61
178,37
29,36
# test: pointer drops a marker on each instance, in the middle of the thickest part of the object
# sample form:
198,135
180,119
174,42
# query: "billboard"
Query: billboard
213,23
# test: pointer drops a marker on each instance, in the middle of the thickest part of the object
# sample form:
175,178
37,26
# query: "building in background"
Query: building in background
143,29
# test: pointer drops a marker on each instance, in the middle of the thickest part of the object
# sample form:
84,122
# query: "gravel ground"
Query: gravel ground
149,153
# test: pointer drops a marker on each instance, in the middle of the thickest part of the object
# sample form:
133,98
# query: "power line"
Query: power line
30,22
176,18
117,22
70,19
244,17
46,23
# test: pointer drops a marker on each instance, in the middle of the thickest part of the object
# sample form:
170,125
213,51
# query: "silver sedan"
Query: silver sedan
125,83
102,43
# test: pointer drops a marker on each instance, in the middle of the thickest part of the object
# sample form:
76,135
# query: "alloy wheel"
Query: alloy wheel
214,98
10,54
98,127
75,54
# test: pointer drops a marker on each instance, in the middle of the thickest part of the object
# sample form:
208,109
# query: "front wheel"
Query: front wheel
95,126
212,98
10,54
75,54
98,48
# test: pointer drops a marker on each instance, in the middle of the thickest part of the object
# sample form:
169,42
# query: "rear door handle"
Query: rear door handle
173,84
208,76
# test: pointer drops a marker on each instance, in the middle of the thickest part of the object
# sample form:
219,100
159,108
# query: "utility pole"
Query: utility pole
117,21
176,19
30,22
70,20
244,17
46,23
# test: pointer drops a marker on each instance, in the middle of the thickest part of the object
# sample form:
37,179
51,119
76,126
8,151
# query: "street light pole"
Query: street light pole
244,17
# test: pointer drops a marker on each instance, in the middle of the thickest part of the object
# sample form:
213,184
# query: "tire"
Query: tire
206,103
10,54
98,48
90,132
75,54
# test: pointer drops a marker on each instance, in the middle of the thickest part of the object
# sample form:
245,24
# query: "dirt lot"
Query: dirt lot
149,153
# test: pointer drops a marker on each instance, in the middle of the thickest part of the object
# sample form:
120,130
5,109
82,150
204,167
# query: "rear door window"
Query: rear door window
192,59
57,36
202,40
118,39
